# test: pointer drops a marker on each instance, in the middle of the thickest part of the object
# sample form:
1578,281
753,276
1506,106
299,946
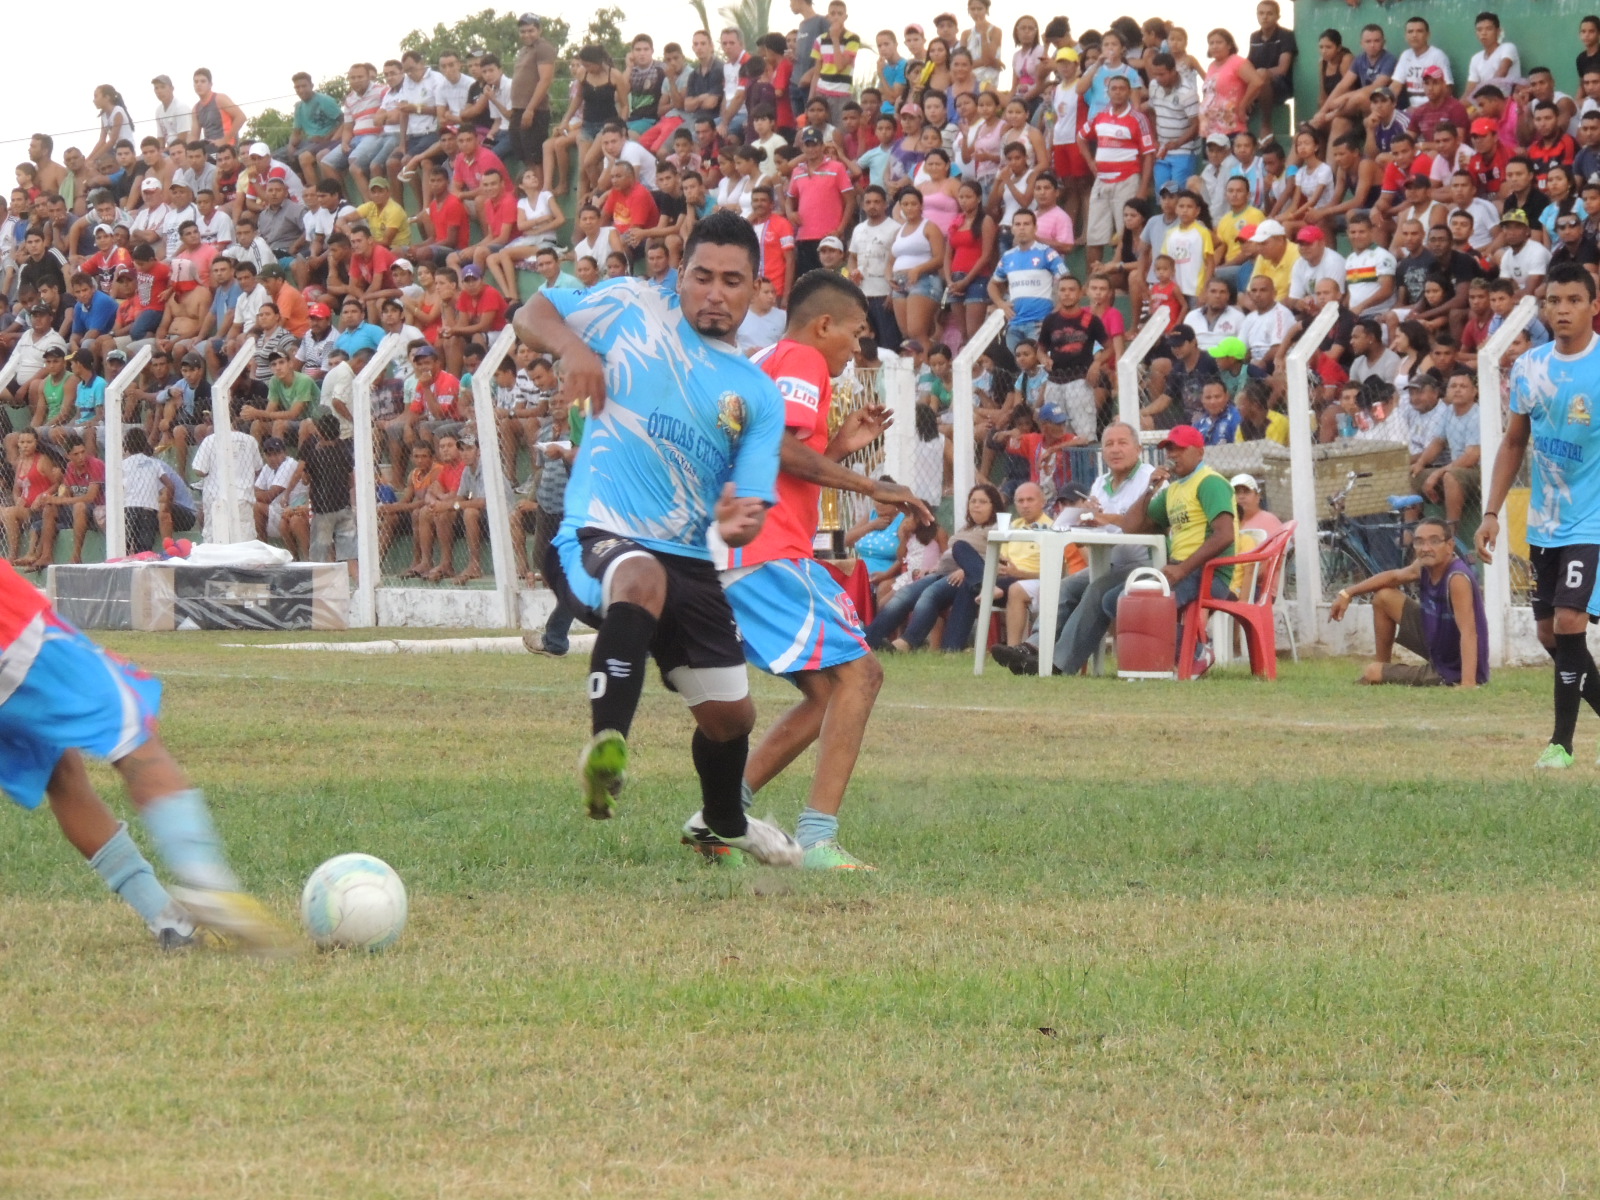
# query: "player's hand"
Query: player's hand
1485,537
739,518
583,379
1336,610
862,427
904,499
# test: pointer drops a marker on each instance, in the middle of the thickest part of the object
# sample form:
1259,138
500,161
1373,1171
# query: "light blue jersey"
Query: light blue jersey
1559,395
1030,277
683,415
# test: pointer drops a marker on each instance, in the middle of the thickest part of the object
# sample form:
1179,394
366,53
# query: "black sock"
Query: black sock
617,665
721,769
1572,659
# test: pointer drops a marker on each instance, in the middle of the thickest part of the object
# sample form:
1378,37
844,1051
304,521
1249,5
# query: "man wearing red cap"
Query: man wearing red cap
1489,160
1317,261
1438,106
318,341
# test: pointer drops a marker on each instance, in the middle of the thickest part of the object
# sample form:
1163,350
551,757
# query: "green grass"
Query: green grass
1223,940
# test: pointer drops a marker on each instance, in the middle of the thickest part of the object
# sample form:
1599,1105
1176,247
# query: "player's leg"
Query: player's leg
179,821
620,588
838,677
720,747
1388,607
1564,585
95,833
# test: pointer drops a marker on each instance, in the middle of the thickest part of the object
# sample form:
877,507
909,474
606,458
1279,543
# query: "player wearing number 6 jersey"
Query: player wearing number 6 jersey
1555,390
794,618
61,697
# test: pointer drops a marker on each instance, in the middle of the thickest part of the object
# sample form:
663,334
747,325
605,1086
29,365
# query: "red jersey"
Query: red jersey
801,374
1489,173
20,603
104,266
489,303
777,236
1544,157
449,219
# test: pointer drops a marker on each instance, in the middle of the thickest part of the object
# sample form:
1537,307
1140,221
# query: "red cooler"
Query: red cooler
1147,627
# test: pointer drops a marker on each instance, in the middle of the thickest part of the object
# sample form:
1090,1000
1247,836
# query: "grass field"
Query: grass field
1217,940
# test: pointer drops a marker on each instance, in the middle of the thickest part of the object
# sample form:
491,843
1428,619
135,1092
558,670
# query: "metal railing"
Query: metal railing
1302,468
497,510
1497,573
364,603
221,509
111,451
1128,365
961,407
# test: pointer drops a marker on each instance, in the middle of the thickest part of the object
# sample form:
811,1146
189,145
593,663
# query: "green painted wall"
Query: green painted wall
1545,33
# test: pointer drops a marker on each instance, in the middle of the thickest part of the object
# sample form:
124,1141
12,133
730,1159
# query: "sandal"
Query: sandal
466,577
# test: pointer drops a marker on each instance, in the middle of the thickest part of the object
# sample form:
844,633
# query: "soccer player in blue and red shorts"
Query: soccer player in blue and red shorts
682,434
1555,390
794,618
61,697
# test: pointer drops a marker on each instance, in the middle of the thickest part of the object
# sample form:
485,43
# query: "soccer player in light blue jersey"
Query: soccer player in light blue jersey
1555,389
683,433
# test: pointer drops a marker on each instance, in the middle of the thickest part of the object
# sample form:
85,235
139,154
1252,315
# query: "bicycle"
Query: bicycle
1350,548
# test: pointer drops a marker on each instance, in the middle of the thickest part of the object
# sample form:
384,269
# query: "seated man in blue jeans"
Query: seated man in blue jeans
1197,512
1088,606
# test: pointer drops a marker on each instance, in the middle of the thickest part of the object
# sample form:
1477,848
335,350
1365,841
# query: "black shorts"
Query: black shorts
1564,577
696,628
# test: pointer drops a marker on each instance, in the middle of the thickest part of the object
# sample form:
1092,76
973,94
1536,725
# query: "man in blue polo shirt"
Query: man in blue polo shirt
94,314
1024,284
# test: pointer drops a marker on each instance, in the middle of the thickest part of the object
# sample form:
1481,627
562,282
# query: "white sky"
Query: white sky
250,67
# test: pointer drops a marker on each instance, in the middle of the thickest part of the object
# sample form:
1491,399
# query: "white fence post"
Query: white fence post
1303,473
111,451
961,404
898,388
222,455
1497,574
1128,365
364,604
497,511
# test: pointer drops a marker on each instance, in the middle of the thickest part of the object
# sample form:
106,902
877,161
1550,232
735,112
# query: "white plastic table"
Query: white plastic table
1098,541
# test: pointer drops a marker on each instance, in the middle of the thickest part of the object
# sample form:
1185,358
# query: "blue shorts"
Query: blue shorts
75,696
793,616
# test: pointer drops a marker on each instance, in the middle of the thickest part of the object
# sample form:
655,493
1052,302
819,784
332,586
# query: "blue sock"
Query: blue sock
128,873
746,796
814,827
180,825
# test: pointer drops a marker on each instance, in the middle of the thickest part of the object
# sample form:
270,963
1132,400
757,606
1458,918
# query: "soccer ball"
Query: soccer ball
354,900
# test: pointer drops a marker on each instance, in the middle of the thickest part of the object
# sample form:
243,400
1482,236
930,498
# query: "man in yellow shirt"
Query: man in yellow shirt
1233,257
1198,513
1275,257
1020,562
384,216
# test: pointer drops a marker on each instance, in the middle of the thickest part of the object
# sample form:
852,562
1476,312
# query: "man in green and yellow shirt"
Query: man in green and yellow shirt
1197,513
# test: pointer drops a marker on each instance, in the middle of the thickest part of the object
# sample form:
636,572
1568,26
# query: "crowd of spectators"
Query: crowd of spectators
1077,182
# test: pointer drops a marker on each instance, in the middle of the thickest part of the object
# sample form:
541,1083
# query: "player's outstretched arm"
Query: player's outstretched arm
583,376
800,460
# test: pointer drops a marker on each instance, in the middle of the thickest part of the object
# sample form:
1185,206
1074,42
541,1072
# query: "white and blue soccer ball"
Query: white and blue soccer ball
354,901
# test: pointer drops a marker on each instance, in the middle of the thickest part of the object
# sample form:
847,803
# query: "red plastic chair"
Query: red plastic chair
1254,612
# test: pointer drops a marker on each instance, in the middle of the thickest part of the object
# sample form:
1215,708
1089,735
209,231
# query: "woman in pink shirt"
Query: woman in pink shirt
1230,88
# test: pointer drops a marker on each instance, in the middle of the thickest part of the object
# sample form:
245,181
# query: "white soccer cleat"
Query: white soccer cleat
767,844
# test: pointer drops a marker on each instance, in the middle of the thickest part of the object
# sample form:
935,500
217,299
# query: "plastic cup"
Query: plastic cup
1002,522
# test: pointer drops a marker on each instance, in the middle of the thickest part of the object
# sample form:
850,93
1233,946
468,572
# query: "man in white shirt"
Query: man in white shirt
1417,57
419,102
216,226
28,353
172,115
1317,261
272,490
147,222
616,147
454,87
870,244
1265,328
180,211
1368,355
1087,606
1498,61
1523,261
764,324
1485,216
230,512
1369,269
1215,318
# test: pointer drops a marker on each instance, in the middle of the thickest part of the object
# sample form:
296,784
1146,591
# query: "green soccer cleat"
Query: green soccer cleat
1554,758
602,770
828,855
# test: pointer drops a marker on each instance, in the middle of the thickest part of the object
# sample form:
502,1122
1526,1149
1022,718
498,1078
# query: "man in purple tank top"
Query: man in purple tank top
1445,625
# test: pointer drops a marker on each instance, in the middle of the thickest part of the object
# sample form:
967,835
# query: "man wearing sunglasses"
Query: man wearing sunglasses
1445,625
1572,247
